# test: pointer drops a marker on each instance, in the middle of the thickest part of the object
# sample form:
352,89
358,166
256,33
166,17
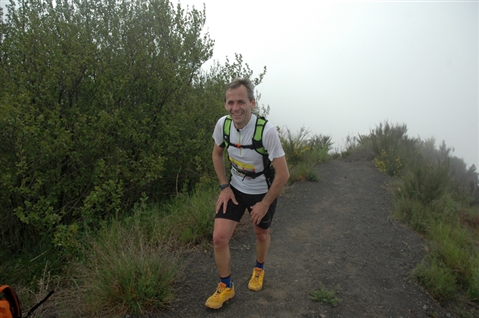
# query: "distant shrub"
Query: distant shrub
392,147
304,152
426,182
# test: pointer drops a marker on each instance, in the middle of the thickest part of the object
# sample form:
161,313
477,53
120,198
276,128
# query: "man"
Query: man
254,184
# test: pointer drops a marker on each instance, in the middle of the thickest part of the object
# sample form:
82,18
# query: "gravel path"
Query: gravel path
338,233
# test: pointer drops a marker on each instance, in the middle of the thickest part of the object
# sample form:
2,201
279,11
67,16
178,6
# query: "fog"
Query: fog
342,68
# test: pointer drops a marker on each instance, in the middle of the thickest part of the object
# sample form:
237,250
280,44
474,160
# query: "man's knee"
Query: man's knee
222,232
220,240
261,234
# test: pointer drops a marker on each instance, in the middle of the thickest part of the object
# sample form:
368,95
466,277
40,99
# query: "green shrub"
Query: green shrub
294,145
97,101
413,213
388,164
303,171
303,153
457,249
465,181
472,291
426,182
190,217
436,277
392,146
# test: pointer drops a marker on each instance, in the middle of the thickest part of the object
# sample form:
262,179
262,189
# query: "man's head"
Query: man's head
239,82
239,101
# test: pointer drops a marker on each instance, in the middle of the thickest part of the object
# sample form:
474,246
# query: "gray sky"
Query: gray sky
341,68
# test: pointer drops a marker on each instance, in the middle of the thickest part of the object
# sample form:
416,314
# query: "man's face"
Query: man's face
238,106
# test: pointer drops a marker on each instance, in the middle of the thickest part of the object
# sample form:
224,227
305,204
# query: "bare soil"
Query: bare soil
337,233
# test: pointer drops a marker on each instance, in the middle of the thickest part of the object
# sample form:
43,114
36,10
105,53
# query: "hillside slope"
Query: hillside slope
338,233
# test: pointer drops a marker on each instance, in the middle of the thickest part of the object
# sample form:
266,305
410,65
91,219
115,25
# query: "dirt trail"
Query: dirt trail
338,232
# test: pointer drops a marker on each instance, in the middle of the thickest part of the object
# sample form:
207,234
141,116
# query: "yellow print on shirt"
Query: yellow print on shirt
241,167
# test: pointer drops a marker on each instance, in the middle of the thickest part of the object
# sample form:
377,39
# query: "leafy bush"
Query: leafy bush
97,104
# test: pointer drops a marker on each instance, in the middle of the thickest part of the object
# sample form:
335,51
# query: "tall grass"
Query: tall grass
123,273
130,265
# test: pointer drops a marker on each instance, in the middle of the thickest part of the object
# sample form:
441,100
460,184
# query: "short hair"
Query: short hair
237,83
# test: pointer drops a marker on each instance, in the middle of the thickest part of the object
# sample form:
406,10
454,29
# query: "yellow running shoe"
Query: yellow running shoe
256,281
221,295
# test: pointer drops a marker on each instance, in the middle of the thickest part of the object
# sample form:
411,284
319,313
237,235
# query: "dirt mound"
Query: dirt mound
337,233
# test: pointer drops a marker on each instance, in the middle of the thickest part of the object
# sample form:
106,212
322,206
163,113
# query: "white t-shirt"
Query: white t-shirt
249,159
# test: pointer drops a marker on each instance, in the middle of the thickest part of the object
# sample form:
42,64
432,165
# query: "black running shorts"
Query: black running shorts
245,202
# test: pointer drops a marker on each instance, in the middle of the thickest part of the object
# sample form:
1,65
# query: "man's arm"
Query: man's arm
281,177
219,165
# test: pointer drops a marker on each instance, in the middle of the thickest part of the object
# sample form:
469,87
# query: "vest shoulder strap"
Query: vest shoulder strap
257,142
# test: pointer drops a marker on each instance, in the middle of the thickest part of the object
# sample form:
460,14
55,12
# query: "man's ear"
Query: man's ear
253,103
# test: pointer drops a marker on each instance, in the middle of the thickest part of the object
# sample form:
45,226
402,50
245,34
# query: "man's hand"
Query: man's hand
225,195
258,211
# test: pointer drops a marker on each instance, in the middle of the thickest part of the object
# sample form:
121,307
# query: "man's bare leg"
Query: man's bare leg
263,241
223,230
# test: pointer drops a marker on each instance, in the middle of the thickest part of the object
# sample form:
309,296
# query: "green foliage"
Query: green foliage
294,145
457,249
436,277
190,218
426,182
303,171
303,153
387,164
453,259
325,296
102,102
413,213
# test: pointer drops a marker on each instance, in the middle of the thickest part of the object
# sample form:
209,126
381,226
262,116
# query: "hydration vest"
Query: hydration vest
256,144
